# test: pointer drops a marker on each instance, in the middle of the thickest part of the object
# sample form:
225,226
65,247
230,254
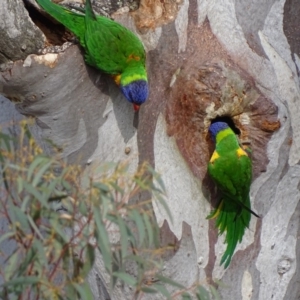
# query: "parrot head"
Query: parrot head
216,127
136,92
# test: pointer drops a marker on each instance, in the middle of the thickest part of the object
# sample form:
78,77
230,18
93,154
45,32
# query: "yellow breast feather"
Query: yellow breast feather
214,156
240,152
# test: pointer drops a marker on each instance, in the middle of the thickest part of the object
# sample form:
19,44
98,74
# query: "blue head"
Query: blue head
216,127
136,92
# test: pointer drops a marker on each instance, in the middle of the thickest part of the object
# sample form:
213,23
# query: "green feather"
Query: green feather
108,45
231,169
73,21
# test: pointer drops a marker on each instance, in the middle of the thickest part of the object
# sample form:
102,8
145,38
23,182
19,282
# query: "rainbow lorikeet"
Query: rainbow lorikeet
231,169
108,46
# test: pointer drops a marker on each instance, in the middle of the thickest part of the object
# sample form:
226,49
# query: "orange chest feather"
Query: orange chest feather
133,57
117,79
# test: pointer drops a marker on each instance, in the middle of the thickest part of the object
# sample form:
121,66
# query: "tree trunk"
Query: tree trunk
238,59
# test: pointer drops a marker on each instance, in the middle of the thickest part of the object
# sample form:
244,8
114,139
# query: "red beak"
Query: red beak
136,107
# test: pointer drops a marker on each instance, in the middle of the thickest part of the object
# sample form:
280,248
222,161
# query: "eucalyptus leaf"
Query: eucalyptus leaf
38,176
84,291
103,241
126,278
139,222
169,281
202,293
38,160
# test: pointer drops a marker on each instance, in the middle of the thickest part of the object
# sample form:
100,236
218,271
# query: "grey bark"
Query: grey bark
198,48
19,36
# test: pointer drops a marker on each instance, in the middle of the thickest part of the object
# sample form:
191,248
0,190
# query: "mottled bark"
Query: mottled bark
195,51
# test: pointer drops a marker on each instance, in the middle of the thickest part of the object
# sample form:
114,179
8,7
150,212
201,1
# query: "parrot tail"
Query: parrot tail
71,20
89,10
233,219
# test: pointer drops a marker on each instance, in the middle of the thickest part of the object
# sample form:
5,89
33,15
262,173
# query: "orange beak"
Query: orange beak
136,107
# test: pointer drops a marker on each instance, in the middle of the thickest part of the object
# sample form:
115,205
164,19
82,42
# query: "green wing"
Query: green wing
232,175
73,21
108,45
111,46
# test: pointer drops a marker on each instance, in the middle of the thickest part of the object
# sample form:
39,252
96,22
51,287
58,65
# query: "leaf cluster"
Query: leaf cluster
55,248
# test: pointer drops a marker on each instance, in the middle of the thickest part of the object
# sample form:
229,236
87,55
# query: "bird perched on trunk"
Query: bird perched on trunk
108,46
231,169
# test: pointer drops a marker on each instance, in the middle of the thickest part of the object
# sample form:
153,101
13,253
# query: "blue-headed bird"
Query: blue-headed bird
108,46
231,169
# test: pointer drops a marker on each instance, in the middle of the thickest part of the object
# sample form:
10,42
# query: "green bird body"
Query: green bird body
108,46
231,169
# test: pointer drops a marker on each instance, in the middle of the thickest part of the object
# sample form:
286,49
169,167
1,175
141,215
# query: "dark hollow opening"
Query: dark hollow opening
229,121
55,32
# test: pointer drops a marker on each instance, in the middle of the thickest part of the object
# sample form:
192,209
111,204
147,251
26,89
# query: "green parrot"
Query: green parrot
231,169
108,46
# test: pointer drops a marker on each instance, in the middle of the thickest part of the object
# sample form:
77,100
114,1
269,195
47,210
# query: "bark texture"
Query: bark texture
205,59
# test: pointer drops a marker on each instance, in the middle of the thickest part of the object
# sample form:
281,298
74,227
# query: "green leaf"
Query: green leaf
126,278
71,291
123,236
69,262
59,230
19,184
40,251
162,201
141,183
202,293
25,262
137,218
57,246
169,281
89,260
6,236
101,187
34,227
48,191
103,241
30,189
23,280
6,185
157,178
84,291
11,267
148,290
149,229
24,202
112,217
214,293
106,205
38,176
186,296
37,160
82,206
160,288
66,185
220,283
116,187
6,141
16,167
21,218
